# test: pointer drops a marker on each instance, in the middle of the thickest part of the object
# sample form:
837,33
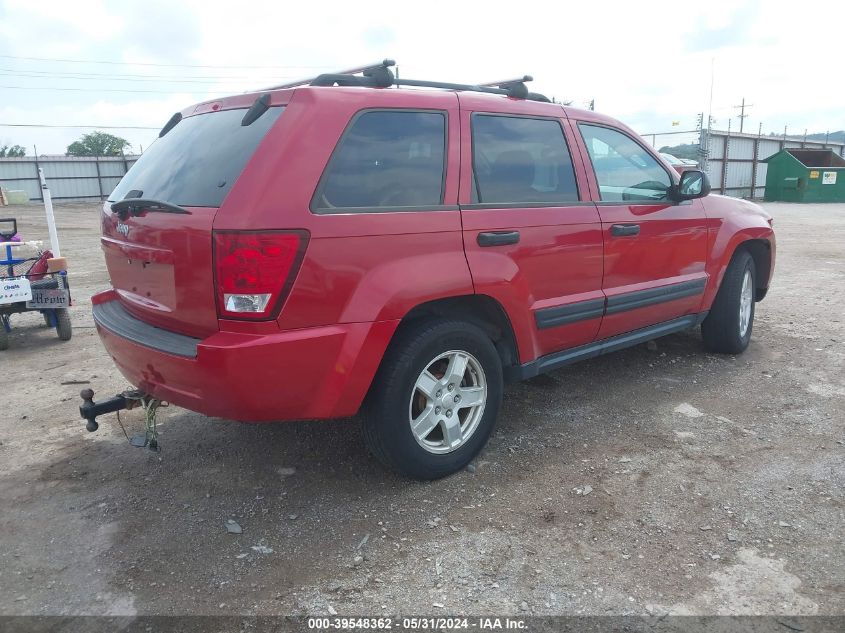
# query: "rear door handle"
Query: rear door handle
498,238
621,230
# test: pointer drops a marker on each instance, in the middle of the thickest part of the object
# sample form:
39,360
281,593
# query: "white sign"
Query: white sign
829,178
13,290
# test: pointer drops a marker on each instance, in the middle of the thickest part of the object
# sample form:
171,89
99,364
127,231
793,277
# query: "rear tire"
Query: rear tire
434,400
727,328
63,326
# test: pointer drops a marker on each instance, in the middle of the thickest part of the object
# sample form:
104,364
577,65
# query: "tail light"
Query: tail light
254,271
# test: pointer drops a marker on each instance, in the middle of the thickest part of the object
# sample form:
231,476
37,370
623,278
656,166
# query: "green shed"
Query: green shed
805,175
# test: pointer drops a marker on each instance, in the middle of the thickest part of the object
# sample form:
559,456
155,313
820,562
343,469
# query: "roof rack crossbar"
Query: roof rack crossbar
380,76
385,63
509,82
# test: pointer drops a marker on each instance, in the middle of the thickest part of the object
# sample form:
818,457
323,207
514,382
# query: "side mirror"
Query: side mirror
694,184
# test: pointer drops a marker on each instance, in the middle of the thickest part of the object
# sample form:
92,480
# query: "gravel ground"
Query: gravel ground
652,480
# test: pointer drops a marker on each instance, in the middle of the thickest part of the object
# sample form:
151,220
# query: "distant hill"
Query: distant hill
835,137
686,150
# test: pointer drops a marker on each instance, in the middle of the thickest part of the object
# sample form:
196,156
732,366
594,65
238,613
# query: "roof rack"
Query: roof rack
516,85
365,69
380,76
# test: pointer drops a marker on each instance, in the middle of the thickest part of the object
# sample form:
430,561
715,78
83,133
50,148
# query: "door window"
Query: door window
518,159
624,169
386,159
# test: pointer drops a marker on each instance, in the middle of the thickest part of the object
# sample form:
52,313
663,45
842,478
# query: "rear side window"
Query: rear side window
197,162
386,159
521,160
624,169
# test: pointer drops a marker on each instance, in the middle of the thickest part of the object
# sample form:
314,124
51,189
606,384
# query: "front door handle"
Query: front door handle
498,238
622,230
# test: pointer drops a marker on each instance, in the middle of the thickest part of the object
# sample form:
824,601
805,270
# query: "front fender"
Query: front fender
731,222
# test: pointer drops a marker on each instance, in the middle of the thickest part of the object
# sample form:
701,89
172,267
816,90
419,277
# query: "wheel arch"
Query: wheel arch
759,245
761,252
481,310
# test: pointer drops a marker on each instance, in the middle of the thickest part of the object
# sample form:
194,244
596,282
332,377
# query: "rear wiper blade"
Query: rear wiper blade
136,206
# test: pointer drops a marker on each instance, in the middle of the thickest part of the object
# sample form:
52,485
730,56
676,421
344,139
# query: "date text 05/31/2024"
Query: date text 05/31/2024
416,623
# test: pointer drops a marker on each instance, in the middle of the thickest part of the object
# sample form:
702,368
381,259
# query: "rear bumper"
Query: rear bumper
321,372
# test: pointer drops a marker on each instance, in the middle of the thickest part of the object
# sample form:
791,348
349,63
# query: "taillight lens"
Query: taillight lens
254,271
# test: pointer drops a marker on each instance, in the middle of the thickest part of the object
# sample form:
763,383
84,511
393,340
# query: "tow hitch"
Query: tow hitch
89,410
129,399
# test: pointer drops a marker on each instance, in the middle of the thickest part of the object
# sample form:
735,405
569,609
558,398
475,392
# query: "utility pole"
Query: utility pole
742,114
703,142
710,107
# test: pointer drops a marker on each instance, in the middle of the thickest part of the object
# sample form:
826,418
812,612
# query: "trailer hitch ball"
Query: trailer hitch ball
86,409
89,409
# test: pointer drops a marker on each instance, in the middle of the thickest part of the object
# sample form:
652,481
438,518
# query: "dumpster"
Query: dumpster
805,175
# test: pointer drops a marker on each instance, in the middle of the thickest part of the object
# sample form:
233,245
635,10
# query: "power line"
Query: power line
163,92
116,78
102,127
95,61
79,74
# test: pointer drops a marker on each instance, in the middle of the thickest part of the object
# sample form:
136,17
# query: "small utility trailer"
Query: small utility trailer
33,279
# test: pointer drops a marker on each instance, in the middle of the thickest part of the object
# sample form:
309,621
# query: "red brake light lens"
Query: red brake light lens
254,271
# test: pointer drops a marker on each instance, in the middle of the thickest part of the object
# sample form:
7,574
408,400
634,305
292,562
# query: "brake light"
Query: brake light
254,271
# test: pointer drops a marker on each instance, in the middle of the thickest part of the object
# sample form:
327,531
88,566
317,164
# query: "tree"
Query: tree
13,151
685,150
98,144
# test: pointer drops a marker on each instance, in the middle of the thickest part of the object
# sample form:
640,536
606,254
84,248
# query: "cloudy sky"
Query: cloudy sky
128,63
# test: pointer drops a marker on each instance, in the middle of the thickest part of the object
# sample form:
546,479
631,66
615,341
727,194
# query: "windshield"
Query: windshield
197,162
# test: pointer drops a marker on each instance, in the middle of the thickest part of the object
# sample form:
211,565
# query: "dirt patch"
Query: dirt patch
715,482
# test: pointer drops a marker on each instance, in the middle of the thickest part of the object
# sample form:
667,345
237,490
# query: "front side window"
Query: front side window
386,159
624,169
517,159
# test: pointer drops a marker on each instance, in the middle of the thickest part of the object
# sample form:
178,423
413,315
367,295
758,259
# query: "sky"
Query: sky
649,64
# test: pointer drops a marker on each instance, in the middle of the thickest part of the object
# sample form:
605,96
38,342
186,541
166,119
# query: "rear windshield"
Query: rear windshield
197,162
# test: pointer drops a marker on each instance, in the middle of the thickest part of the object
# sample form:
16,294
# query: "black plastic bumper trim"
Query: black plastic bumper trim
561,315
652,296
113,317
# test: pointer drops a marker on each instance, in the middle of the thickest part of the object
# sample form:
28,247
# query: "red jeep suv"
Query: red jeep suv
404,248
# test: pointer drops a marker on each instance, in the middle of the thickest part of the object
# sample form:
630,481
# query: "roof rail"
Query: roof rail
380,76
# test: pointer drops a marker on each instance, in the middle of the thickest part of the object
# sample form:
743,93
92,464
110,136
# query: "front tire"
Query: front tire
434,400
727,328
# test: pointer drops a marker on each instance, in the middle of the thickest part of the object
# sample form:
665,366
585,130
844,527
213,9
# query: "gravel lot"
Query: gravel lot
708,484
